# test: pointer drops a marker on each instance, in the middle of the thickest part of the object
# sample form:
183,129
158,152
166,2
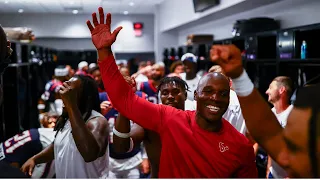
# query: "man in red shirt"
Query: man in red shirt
195,144
173,93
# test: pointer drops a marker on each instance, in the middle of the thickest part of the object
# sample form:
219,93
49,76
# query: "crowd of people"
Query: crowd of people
102,121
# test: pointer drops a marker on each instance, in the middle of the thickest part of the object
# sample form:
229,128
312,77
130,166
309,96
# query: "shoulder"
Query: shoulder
237,137
99,122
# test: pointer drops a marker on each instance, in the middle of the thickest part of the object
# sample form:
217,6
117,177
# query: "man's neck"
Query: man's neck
190,76
281,105
214,126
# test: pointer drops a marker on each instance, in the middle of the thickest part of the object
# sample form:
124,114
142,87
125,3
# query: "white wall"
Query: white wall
291,13
175,13
51,26
173,16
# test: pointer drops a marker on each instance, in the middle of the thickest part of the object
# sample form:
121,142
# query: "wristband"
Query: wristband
119,134
243,85
131,145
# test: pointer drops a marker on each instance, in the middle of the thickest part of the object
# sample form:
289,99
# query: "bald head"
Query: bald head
212,96
210,77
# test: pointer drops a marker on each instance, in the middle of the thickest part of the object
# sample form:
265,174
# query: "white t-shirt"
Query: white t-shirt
233,114
68,161
193,84
275,169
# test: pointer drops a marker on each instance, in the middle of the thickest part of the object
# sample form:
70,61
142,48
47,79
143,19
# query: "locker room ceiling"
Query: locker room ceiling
80,6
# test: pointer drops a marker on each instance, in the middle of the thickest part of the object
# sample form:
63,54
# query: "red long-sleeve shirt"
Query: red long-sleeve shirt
187,150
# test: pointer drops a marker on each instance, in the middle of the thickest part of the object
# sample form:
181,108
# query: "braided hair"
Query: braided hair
89,101
176,80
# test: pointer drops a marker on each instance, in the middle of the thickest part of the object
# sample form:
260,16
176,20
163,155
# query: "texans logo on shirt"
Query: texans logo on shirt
222,147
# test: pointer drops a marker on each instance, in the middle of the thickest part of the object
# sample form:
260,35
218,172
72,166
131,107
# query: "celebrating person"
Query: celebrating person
80,149
295,147
191,140
173,92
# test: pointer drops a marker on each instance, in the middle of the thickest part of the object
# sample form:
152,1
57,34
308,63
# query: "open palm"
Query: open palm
100,33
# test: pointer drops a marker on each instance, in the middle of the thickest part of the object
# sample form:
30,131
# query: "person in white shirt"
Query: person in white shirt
190,76
80,149
279,92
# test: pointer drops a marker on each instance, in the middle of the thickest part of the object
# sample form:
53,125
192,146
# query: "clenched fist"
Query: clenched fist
229,58
68,94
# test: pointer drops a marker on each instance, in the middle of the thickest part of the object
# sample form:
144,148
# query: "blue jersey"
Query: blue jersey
21,147
111,116
150,90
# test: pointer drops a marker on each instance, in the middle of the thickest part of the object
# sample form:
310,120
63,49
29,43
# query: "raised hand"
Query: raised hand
229,58
101,32
68,94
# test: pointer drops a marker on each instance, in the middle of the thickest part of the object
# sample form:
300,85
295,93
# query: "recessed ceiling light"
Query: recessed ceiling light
20,11
71,2
131,3
75,11
6,2
125,12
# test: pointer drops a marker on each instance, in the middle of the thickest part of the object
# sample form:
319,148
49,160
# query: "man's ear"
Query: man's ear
282,90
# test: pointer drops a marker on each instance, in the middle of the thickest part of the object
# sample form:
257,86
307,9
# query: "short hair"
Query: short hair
178,81
175,65
286,82
93,69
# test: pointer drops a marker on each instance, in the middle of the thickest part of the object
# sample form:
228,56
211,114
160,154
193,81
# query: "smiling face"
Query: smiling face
173,95
212,96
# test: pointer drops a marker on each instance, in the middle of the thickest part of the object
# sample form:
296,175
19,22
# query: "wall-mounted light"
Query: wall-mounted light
131,4
125,12
6,1
20,11
75,11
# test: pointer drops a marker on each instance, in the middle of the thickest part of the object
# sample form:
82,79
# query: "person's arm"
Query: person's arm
120,93
261,122
122,125
45,155
91,139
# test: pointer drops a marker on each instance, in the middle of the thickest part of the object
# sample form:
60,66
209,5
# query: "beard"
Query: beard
156,77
